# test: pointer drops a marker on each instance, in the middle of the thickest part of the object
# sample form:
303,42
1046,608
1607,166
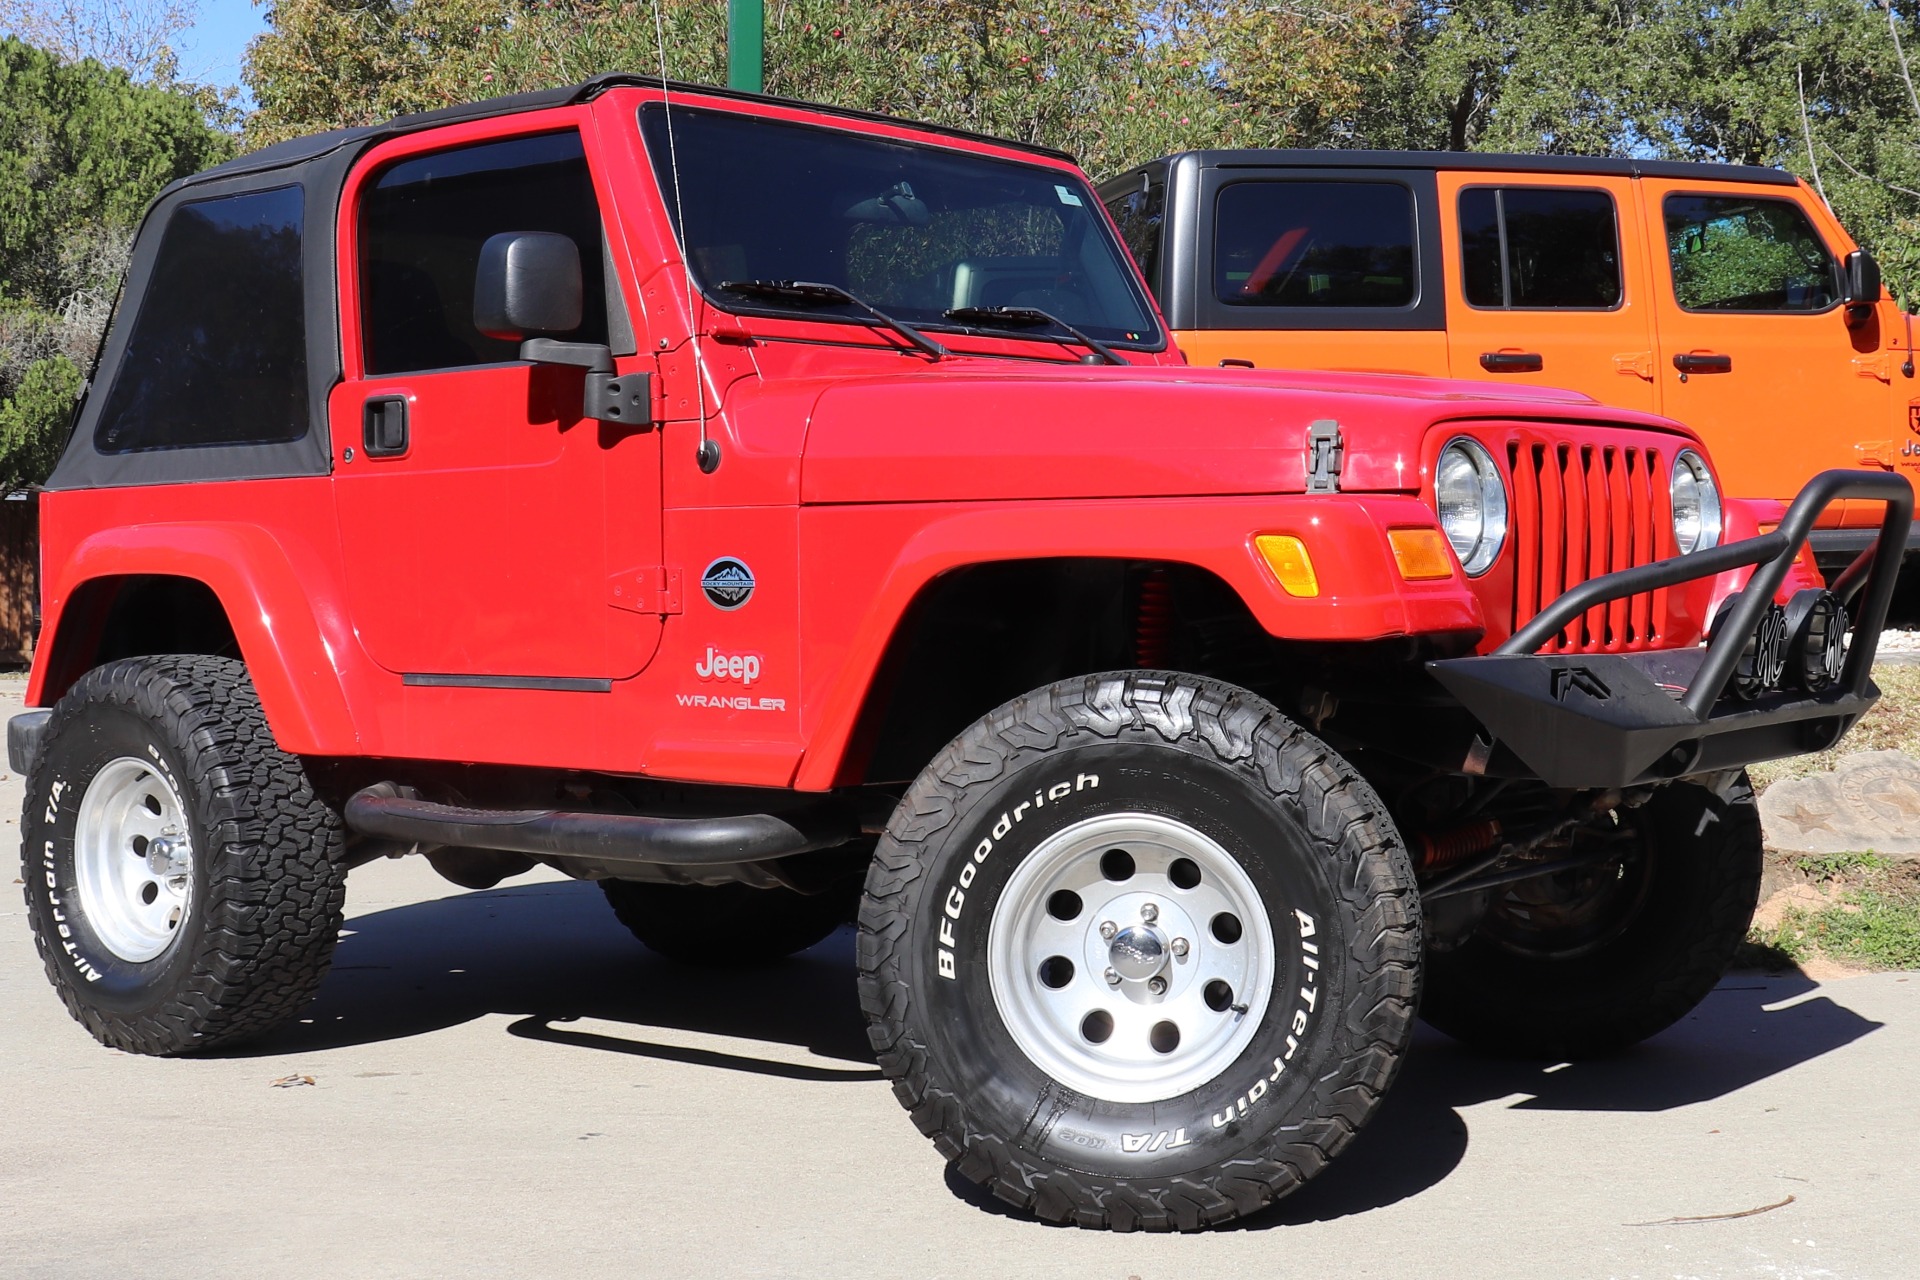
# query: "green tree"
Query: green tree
1113,81
83,149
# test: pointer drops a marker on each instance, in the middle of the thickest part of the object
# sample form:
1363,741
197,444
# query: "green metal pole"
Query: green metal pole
746,45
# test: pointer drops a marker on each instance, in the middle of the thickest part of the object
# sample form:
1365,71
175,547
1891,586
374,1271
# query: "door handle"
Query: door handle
1691,362
1511,361
1229,362
383,426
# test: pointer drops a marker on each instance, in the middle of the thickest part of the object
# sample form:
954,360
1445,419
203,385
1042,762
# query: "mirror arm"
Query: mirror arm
607,396
594,357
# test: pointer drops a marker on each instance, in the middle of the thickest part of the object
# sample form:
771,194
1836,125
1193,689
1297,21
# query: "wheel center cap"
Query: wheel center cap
167,856
1137,952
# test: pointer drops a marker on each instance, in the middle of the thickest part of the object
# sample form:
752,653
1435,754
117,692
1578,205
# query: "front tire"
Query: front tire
182,879
1591,962
1138,952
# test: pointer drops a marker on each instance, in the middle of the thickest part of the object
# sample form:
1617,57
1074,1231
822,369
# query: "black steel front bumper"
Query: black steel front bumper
1613,720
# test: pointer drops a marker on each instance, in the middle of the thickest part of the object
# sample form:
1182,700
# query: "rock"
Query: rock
1870,802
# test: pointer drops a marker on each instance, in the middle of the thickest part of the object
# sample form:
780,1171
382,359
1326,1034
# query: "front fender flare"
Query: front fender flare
889,553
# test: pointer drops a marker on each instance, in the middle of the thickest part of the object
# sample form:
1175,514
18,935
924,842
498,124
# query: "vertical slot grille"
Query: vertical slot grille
1581,511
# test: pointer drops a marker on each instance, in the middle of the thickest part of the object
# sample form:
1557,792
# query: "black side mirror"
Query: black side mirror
1863,282
527,282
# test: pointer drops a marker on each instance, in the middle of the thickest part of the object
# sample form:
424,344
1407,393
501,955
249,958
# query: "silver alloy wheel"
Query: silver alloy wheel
133,859
1131,958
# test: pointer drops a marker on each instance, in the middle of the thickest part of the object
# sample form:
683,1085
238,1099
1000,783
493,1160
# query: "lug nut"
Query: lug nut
1157,985
1149,913
1178,946
1108,928
1113,978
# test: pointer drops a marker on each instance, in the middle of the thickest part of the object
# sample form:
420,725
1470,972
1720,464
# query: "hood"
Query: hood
977,430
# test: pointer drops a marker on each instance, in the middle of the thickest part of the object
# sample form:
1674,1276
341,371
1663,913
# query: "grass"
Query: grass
1869,917
1893,724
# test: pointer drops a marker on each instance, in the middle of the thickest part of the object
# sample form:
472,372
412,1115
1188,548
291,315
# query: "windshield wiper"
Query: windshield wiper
1030,318
807,293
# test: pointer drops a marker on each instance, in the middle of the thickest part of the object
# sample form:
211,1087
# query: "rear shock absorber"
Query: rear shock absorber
1153,621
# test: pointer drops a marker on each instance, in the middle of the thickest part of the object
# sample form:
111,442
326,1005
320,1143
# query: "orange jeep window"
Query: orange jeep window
1734,254
1314,244
1539,248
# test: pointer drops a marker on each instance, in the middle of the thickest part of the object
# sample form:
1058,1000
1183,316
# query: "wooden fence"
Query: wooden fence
19,577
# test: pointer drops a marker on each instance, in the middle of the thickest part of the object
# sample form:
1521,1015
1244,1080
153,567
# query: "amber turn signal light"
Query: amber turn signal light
1287,556
1421,554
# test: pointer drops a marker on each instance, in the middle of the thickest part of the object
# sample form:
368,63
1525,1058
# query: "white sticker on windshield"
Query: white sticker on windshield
1067,197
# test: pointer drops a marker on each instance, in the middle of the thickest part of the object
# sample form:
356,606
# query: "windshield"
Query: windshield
916,231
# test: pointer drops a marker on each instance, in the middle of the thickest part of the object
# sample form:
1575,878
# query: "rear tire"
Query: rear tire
1081,845
723,926
183,880
1578,981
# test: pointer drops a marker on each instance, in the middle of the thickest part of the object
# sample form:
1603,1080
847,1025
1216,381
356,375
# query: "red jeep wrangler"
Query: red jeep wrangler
774,513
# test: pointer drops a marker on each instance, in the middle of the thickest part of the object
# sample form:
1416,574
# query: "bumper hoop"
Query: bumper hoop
1612,720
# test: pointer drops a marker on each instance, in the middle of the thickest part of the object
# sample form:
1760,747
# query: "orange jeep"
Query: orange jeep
1726,296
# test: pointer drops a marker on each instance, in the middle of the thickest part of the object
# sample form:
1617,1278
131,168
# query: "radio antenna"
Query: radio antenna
708,455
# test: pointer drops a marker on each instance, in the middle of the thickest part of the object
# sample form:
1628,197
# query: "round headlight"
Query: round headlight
1472,503
1696,504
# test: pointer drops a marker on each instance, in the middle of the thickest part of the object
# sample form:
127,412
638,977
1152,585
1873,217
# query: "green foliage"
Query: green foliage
1112,80
1870,916
1839,866
83,149
1868,927
33,422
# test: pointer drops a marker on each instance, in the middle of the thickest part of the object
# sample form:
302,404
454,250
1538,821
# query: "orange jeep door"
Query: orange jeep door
1755,352
1547,283
1311,269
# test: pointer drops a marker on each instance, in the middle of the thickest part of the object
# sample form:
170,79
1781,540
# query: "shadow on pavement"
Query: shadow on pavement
554,954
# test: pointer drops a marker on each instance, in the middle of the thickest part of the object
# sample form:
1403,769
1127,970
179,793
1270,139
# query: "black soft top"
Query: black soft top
319,165
307,149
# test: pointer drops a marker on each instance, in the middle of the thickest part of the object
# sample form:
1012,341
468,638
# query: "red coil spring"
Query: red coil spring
1153,621
1449,847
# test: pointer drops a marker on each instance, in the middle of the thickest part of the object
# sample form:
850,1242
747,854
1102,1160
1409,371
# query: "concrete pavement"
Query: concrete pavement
505,1084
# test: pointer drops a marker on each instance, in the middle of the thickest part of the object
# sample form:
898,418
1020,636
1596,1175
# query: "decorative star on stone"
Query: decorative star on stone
1898,794
1810,819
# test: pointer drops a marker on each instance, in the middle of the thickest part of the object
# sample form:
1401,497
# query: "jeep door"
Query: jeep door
1548,283
1301,268
1755,350
493,536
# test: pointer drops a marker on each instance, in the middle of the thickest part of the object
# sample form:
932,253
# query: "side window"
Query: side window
422,222
217,354
1732,254
1314,244
1139,215
1539,248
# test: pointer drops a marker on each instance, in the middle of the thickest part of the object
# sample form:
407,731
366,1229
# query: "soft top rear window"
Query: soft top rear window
217,354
